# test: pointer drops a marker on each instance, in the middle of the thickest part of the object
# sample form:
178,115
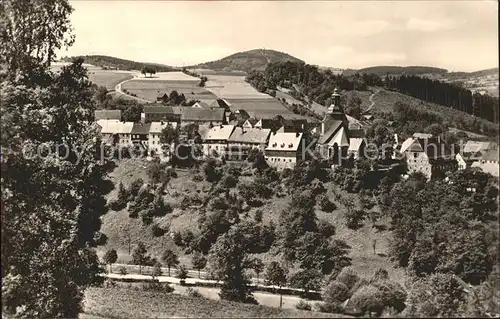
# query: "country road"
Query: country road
118,89
372,102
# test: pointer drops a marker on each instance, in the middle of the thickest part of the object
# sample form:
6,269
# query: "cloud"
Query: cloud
422,25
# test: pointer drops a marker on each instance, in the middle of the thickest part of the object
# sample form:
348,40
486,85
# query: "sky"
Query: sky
456,35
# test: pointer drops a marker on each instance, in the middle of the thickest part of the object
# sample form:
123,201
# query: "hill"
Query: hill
397,70
109,62
256,59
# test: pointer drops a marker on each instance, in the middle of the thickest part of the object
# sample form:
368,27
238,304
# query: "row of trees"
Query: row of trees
148,70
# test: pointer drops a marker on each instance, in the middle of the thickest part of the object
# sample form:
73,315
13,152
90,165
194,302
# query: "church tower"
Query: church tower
334,113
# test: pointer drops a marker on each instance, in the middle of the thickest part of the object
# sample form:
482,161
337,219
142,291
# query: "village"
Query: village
282,141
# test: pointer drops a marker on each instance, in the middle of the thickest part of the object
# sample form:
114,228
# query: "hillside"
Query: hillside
109,62
397,70
256,59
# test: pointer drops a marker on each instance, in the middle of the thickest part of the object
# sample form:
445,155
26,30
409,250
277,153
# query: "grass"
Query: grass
109,79
122,302
150,89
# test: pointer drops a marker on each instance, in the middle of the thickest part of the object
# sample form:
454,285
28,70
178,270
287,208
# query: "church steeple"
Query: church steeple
335,107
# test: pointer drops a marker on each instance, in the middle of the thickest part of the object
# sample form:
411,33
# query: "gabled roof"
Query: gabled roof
490,155
250,135
340,138
141,128
433,148
219,132
200,114
331,131
251,121
158,108
200,104
265,123
157,127
115,127
422,135
108,115
407,143
284,142
355,144
477,146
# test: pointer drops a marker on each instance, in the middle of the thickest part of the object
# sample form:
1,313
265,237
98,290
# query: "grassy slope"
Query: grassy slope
131,303
116,225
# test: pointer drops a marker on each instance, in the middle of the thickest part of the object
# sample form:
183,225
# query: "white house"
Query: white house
154,145
243,139
488,162
215,140
283,150
116,133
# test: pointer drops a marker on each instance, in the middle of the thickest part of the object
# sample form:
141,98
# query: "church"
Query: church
340,137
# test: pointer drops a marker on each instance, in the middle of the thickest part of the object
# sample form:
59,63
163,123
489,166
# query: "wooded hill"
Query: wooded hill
256,59
110,62
397,70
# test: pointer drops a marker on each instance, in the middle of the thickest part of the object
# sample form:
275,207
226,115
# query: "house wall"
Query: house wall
219,146
460,161
281,162
200,122
241,150
125,140
418,162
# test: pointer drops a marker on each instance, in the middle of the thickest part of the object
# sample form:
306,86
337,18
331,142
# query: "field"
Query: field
107,78
131,303
117,225
150,89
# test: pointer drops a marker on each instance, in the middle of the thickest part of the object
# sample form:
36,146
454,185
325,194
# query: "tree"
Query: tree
110,257
156,270
51,205
132,113
335,293
170,259
228,260
258,267
210,170
199,262
348,277
276,276
306,279
368,299
353,105
182,274
139,256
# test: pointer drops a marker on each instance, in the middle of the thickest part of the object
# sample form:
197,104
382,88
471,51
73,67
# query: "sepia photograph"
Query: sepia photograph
249,159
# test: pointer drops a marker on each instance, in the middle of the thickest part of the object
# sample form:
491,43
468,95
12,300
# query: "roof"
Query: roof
140,128
284,142
252,121
199,114
158,108
422,135
355,144
340,138
265,123
219,103
433,148
406,144
115,127
108,115
250,135
490,155
200,104
219,132
331,130
157,127
477,146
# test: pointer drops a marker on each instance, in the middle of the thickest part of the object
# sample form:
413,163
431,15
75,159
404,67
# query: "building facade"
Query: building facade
284,150
215,140
244,139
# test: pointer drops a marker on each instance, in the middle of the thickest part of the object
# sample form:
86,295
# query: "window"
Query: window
415,155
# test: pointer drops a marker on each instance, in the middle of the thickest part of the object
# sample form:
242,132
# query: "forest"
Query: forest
318,86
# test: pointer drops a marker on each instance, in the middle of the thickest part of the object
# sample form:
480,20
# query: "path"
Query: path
118,89
372,102
192,279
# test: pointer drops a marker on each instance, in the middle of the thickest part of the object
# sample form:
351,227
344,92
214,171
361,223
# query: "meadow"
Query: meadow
150,89
122,302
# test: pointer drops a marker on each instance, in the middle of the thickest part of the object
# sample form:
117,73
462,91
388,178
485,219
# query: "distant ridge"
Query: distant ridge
110,62
397,70
256,59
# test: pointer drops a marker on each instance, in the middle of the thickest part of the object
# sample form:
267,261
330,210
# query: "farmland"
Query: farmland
100,77
149,88
121,302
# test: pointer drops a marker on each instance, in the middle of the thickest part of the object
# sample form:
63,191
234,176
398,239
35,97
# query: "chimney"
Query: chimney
297,134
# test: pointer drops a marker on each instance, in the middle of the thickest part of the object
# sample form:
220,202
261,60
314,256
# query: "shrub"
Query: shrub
197,178
329,307
302,305
193,293
354,217
122,270
336,292
157,287
157,230
325,204
348,277
367,299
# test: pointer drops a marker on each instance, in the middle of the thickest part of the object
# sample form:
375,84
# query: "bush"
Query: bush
335,293
122,270
197,178
329,307
367,299
157,230
354,217
325,204
193,293
157,287
348,277
302,305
